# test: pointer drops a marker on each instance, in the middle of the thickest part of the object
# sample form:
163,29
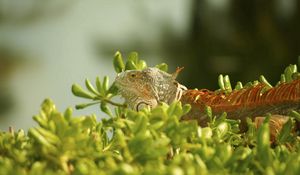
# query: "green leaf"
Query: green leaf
41,139
227,83
133,57
238,86
282,78
99,86
163,67
296,76
141,65
79,92
186,108
51,138
90,87
105,84
263,142
48,106
206,133
222,129
106,109
68,114
118,62
255,83
248,85
288,72
264,80
208,112
221,82
285,133
295,115
140,126
130,65
41,121
84,105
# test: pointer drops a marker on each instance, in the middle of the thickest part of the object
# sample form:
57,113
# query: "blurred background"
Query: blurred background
46,46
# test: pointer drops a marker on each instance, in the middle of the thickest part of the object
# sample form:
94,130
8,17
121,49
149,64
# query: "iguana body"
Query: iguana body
151,86
248,102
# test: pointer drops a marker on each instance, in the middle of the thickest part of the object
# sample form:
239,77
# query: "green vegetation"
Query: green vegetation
146,142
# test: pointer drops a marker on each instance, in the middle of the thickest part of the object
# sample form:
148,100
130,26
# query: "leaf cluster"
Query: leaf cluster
145,142
103,93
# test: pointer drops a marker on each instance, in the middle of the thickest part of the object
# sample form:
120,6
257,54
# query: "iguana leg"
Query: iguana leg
275,124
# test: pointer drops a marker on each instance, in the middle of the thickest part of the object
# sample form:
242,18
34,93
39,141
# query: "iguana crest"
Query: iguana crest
148,87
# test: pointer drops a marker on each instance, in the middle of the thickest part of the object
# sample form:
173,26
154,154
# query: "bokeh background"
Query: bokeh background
45,46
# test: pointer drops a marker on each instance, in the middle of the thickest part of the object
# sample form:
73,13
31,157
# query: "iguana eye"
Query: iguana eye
132,75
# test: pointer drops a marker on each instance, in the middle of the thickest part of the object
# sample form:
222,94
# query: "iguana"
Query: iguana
151,86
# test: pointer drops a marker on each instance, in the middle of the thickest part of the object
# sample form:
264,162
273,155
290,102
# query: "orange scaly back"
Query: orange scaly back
247,102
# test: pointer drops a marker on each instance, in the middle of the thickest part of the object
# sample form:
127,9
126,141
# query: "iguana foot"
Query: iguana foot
275,124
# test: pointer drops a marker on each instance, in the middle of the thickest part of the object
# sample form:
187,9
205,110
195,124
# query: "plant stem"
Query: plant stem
110,102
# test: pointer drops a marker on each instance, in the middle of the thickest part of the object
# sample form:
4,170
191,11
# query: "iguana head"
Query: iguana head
148,87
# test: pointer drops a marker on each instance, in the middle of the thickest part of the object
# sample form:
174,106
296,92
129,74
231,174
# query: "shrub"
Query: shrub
151,141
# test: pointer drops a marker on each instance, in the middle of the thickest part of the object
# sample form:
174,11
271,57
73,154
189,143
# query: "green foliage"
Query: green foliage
145,142
290,74
152,141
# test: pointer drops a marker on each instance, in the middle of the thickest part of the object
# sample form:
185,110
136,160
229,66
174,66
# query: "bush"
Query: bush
146,142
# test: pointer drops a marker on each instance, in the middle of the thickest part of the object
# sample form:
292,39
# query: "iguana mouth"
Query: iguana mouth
119,81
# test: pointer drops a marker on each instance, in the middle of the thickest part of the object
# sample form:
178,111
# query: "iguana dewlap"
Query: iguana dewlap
150,86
